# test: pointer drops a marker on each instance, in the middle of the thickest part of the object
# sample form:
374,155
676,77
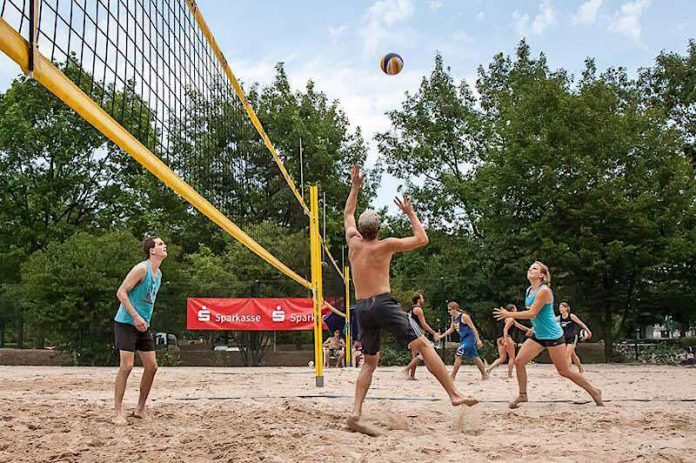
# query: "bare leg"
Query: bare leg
576,361
510,347
124,370
149,370
457,364
410,370
361,387
559,357
481,367
530,349
502,357
438,369
569,352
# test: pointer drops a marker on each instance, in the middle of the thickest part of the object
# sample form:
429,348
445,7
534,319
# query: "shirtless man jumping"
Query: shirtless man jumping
376,309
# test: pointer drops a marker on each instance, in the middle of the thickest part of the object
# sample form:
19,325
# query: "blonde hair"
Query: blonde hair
453,305
545,273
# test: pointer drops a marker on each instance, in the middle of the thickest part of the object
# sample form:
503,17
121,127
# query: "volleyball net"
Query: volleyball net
151,77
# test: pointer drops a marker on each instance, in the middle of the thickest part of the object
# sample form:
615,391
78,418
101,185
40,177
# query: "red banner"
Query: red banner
280,314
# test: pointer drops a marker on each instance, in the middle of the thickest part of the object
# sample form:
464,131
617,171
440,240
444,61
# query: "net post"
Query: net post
317,290
34,10
349,334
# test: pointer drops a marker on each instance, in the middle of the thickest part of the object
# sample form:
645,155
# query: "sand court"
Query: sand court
276,414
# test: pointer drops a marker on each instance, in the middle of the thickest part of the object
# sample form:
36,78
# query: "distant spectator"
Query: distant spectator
335,346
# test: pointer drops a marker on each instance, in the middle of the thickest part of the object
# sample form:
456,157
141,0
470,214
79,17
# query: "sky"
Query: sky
338,44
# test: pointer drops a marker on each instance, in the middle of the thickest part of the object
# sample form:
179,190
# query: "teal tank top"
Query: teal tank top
545,324
142,296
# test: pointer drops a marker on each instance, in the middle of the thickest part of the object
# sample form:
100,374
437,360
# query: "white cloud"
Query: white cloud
380,17
336,31
521,23
627,20
479,15
365,104
435,5
587,13
544,18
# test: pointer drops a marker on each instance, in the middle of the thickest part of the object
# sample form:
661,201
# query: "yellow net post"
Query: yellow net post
349,337
317,290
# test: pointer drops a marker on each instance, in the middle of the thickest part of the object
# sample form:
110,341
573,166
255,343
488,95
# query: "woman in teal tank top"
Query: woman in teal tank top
546,334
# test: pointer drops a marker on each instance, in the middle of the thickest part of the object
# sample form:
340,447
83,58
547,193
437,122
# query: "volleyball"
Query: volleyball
583,334
392,64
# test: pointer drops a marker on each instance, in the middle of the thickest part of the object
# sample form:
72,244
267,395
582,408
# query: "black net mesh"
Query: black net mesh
148,64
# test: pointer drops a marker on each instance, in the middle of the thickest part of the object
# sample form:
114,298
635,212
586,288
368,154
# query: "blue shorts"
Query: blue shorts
467,349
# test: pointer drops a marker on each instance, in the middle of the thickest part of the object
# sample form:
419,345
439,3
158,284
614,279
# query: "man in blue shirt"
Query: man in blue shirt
137,295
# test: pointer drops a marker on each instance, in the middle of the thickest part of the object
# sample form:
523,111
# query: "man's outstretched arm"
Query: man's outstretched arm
352,203
419,238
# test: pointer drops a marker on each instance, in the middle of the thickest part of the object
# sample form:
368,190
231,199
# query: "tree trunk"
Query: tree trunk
608,332
20,333
39,338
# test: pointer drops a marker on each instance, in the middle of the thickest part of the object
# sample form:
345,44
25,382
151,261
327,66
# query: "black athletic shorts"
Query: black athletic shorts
548,342
383,312
128,338
571,339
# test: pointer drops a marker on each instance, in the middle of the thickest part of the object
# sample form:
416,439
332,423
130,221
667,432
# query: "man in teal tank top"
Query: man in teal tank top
137,295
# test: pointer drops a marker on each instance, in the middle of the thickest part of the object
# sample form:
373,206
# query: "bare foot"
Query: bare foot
581,370
461,400
520,398
485,377
597,396
119,420
141,415
354,424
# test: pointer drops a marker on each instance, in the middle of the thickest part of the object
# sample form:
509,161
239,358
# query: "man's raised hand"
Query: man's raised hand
405,204
355,176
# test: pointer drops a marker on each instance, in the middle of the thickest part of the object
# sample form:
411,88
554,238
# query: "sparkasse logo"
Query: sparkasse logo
204,314
278,314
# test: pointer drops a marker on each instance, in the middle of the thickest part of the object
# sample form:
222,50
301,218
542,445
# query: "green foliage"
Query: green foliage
584,176
69,291
594,176
658,353
170,359
393,356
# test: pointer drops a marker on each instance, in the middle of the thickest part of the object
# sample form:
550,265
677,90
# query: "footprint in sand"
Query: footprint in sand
394,422
470,420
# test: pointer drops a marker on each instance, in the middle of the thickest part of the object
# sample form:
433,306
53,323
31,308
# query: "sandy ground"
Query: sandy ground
277,415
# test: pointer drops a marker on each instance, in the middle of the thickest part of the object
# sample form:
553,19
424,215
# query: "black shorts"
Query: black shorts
548,342
382,311
571,339
128,338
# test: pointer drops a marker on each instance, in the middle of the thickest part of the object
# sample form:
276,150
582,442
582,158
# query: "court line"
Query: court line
423,399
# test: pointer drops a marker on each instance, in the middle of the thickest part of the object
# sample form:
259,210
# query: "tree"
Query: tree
329,146
584,176
671,85
69,291
436,138
588,180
